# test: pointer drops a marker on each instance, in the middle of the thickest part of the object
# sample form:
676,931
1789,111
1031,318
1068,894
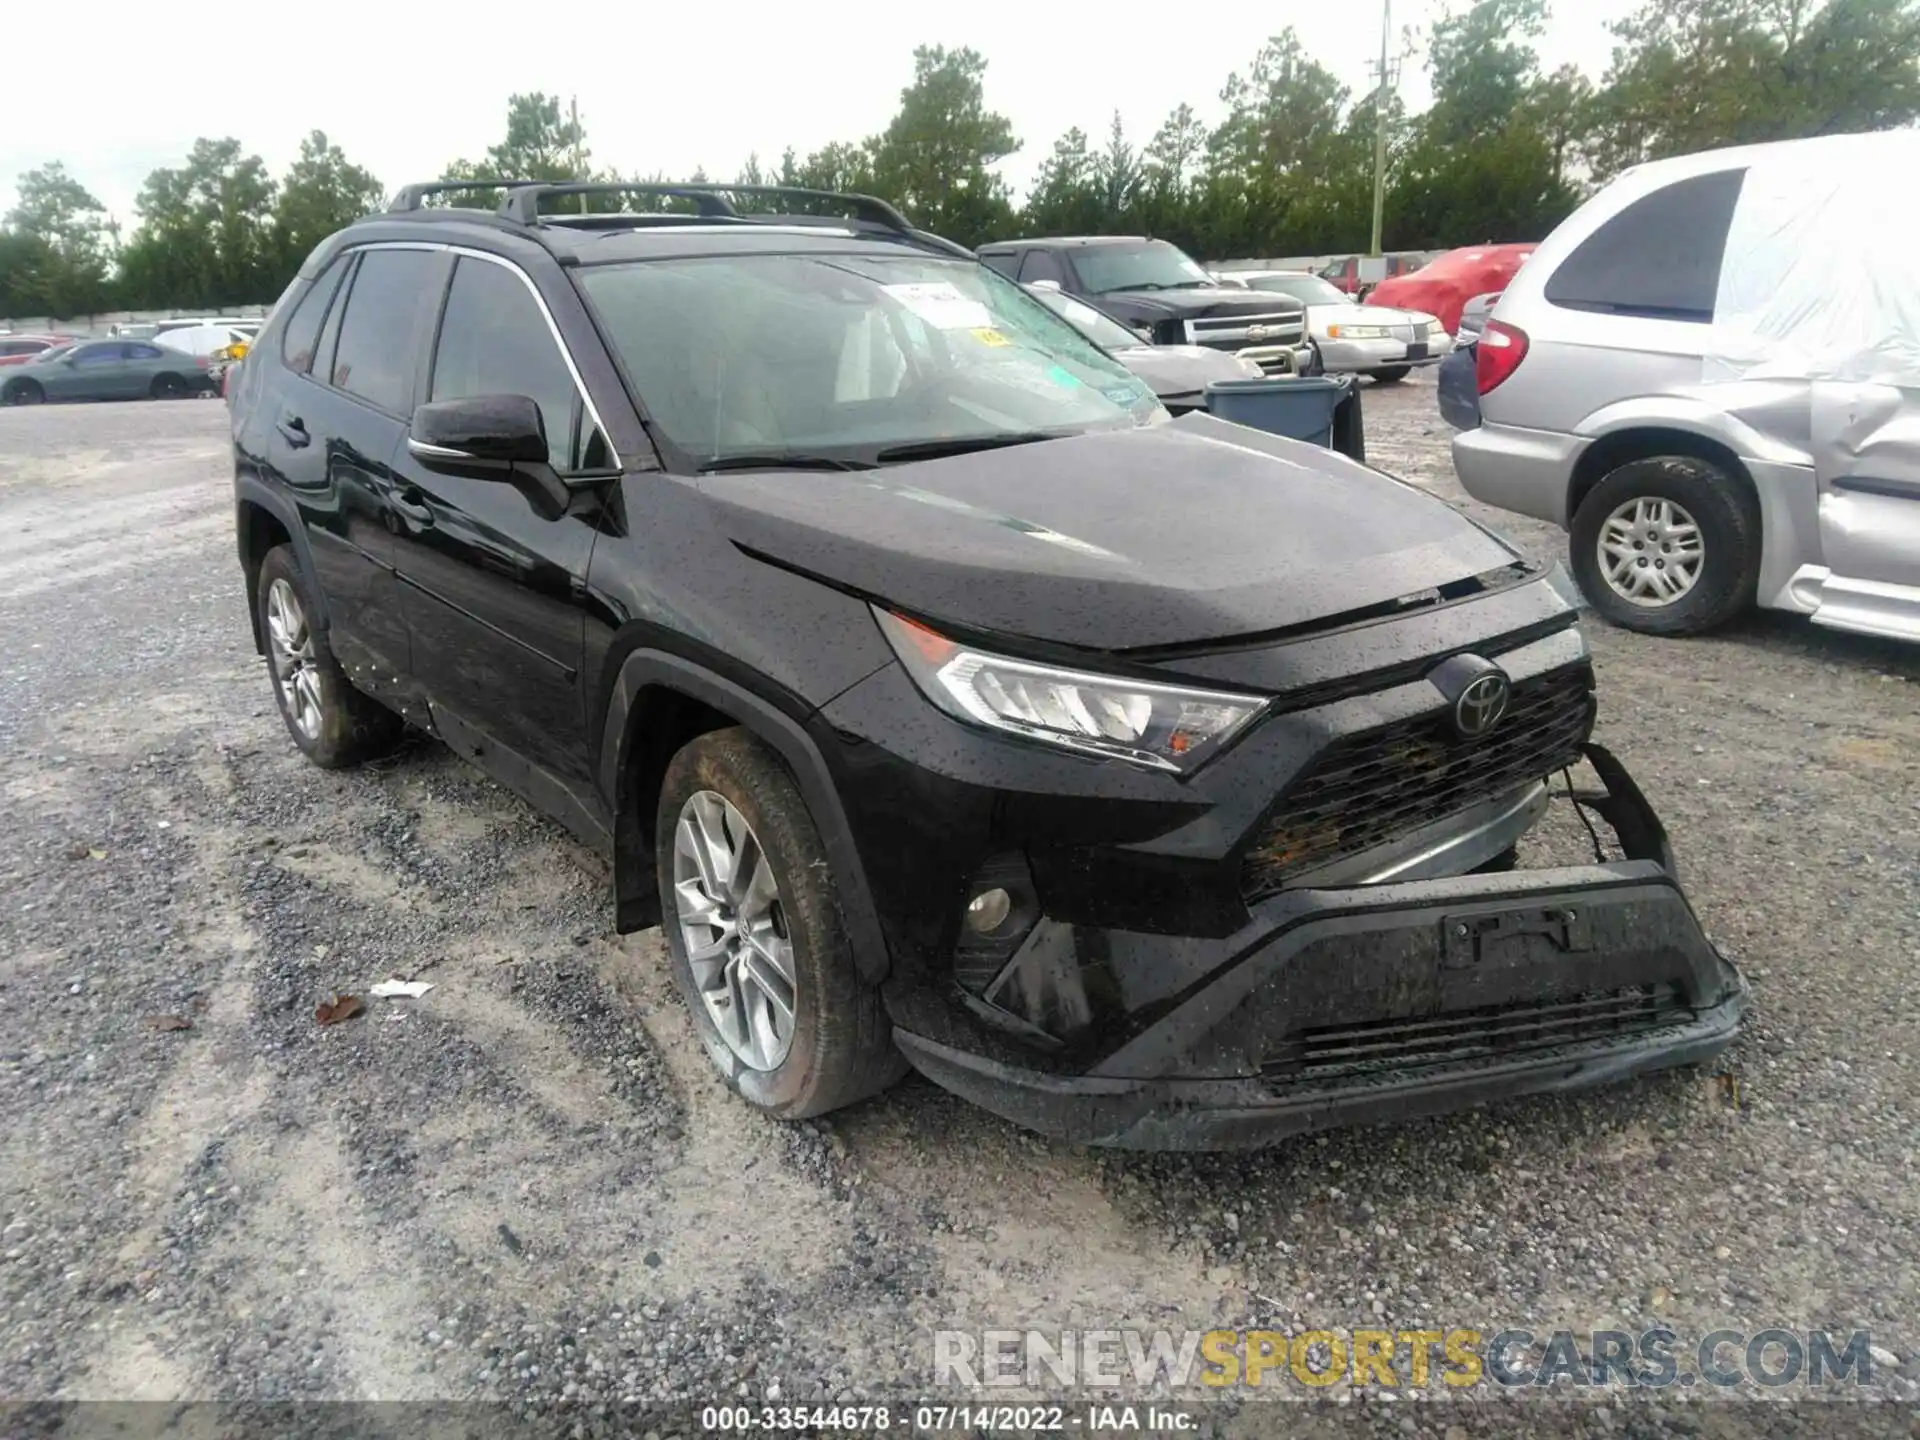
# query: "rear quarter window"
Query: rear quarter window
302,333
1659,258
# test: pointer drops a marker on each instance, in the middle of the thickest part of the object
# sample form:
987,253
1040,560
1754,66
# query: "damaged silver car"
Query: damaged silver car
1710,376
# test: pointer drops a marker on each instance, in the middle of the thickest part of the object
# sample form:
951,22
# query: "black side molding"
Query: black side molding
633,842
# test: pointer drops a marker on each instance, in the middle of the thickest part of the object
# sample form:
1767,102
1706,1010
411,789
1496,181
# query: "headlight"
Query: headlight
1163,727
1359,332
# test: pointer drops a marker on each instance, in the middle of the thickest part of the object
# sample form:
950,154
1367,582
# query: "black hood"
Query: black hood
1178,533
1195,304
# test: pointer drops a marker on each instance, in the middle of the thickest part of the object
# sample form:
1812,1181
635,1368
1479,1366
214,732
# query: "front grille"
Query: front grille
1375,787
1494,1032
1235,332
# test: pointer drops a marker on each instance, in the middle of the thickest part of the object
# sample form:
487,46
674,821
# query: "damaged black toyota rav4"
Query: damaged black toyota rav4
1150,782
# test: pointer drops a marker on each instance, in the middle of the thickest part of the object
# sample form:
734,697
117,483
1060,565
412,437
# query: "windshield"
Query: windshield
1308,289
848,356
52,352
1108,334
1147,265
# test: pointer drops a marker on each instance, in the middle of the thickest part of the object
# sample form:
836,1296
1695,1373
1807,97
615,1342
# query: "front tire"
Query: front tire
23,392
752,921
168,387
333,724
1669,545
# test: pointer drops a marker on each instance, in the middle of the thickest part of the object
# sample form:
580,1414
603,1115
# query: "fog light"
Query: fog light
988,911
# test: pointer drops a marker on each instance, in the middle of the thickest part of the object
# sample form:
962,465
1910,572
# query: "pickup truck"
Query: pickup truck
1162,295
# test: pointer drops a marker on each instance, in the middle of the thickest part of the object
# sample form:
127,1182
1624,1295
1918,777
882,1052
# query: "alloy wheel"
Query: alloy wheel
295,674
727,903
1650,552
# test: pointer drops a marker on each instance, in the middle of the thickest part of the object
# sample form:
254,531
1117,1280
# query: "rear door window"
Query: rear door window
1042,265
1007,262
377,354
1659,258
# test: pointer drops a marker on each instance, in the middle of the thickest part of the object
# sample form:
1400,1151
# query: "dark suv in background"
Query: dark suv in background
1163,295
1150,781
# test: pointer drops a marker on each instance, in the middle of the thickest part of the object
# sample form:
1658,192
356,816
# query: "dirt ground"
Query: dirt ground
527,1185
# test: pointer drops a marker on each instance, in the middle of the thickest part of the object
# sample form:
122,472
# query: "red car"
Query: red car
18,349
1444,287
1344,274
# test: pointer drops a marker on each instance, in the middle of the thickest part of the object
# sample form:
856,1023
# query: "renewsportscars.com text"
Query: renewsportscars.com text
1457,1358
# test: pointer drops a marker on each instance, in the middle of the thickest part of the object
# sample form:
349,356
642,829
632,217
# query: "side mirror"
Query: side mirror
489,430
1053,285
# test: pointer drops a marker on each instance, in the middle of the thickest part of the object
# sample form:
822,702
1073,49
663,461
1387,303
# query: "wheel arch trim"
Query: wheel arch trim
636,895
1640,434
254,494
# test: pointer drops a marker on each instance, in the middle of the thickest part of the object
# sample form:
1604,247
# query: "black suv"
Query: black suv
1164,295
1149,781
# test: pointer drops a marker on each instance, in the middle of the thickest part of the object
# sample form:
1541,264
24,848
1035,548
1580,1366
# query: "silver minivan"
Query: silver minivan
1710,377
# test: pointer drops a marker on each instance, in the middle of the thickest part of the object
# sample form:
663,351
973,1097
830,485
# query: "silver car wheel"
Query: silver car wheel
1650,552
727,902
295,674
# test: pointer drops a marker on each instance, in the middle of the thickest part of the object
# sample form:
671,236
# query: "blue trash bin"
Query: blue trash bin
1300,407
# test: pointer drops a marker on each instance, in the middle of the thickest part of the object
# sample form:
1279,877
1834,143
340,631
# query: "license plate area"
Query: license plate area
1418,350
1468,941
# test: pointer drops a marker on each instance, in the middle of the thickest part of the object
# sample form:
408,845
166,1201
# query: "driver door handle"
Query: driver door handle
412,503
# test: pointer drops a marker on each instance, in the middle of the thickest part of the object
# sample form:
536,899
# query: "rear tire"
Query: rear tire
23,392
1392,375
169,387
1663,517
333,724
774,938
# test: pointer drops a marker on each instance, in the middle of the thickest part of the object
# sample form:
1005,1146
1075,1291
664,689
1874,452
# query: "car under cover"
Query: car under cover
1157,536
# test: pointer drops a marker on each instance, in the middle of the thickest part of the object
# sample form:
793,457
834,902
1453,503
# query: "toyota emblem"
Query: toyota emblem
1481,705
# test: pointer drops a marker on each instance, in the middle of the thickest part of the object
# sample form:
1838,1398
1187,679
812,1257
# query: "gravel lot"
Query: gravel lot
527,1186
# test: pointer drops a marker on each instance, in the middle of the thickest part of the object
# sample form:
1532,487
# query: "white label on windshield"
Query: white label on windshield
942,306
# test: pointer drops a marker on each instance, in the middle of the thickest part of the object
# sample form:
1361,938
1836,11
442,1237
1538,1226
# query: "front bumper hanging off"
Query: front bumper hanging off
1345,1006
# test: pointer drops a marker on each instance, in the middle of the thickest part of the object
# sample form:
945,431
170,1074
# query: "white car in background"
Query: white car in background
1354,338
206,342
1178,374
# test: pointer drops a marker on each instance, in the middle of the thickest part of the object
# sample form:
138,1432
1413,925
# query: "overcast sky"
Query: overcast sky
406,87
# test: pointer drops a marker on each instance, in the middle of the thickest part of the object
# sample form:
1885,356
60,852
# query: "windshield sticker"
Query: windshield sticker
940,305
987,335
1064,378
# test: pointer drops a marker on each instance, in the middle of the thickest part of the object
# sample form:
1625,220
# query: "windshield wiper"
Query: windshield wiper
966,445
780,460
1143,285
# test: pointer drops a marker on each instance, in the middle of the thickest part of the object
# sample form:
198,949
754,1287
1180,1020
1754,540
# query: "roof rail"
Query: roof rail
409,197
523,204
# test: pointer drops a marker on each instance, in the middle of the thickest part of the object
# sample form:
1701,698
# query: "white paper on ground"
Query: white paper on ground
400,989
